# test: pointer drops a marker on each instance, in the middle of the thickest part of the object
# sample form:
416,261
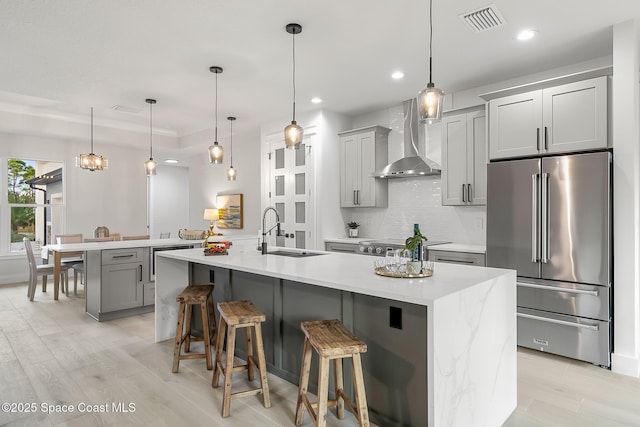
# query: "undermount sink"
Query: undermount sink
294,254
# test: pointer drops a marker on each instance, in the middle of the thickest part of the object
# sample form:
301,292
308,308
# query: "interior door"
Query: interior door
513,220
291,173
578,226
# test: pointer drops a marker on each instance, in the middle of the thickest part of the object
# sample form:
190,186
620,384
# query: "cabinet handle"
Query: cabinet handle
463,200
538,139
122,256
456,261
141,272
355,201
469,193
546,138
358,196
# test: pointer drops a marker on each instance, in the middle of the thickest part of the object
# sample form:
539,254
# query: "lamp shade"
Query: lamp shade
293,135
430,102
211,214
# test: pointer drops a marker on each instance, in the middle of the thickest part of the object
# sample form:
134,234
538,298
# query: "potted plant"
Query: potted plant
353,228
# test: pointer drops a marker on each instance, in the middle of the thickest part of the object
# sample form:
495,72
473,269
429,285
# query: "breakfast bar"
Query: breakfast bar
441,349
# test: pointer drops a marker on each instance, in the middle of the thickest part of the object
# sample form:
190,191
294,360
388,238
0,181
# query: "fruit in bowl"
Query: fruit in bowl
217,248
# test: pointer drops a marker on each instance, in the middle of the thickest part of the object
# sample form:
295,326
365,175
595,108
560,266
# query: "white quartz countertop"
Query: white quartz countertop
121,244
348,272
459,247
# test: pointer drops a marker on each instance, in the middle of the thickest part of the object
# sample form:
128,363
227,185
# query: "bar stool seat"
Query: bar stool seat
234,315
332,341
194,295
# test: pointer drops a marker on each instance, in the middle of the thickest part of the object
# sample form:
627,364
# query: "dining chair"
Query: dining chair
116,236
99,239
43,270
165,235
141,237
73,260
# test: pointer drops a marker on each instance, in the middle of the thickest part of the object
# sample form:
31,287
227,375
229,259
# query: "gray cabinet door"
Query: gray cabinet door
395,364
121,287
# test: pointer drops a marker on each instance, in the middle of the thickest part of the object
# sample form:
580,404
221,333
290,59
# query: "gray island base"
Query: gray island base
441,350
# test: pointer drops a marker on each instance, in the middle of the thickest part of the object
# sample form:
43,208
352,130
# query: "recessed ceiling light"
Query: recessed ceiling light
526,34
170,161
397,75
316,100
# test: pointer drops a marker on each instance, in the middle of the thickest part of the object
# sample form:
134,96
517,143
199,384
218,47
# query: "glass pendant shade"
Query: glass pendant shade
293,135
91,162
216,153
231,173
150,167
430,101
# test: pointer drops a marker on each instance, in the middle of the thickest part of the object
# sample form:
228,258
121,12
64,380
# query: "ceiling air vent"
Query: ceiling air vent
483,19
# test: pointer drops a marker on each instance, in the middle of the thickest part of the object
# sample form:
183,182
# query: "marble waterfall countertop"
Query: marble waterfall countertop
349,272
471,371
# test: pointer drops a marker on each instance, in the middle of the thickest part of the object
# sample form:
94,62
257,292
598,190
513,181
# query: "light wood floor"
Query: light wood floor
53,353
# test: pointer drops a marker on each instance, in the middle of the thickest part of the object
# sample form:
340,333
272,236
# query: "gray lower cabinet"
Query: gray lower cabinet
395,364
124,272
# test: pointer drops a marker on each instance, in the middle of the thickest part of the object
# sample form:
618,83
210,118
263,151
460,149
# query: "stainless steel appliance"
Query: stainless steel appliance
550,219
380,247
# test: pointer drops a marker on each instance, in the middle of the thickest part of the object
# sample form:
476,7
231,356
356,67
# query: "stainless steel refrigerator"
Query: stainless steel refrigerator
549,218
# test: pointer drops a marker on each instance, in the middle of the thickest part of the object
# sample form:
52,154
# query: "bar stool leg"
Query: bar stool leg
178,343
228,371
262,366
323,391
212,319
205,334
218,359
361,396
187,329
249,346
304,382
339,380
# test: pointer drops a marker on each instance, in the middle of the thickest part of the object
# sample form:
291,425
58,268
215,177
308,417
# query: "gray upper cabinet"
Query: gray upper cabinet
362,151
464,159
565,118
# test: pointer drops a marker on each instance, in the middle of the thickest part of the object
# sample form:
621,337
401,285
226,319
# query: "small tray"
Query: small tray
381,271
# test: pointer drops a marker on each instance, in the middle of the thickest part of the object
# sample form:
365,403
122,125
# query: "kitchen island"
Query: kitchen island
441,350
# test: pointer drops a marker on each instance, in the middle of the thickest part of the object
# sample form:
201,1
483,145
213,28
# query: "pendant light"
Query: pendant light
91,161
215,151
231,172
430,99
293,132
150,165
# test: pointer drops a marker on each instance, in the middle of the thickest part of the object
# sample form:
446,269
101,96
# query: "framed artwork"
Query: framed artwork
229,210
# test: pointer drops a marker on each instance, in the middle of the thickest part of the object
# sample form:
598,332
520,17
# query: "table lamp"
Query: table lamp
211,215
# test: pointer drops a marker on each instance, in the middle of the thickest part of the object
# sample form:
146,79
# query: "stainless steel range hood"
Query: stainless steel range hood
412,164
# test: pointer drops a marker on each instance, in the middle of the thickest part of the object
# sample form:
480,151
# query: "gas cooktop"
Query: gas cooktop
379,247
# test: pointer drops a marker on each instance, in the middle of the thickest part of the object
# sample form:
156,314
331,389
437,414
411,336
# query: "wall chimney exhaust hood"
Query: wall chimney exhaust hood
412,164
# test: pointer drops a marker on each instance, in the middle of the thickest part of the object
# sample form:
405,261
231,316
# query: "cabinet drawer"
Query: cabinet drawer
466,258
121,256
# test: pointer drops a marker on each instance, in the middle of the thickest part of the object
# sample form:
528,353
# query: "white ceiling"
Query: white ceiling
62,57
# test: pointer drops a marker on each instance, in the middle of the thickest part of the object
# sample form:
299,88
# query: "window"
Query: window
34,201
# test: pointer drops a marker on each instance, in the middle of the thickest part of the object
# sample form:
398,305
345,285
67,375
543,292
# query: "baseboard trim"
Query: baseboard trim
625,365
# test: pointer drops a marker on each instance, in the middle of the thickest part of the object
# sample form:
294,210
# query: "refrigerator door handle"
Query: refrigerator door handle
558,289
559,322
534,217
545,219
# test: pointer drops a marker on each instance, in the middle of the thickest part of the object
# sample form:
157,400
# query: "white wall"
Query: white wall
208,180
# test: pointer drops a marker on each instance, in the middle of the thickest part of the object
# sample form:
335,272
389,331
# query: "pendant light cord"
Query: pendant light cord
293,35
231,148
430,37
215,139
151,130
91,130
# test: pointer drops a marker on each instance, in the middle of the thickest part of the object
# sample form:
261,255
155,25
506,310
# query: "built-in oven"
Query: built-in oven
153,251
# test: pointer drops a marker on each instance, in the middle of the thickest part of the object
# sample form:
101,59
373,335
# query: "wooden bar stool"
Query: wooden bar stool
233,315
332,341
190,296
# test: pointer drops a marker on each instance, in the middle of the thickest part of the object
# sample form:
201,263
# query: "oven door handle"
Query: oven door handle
558,289
559,322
